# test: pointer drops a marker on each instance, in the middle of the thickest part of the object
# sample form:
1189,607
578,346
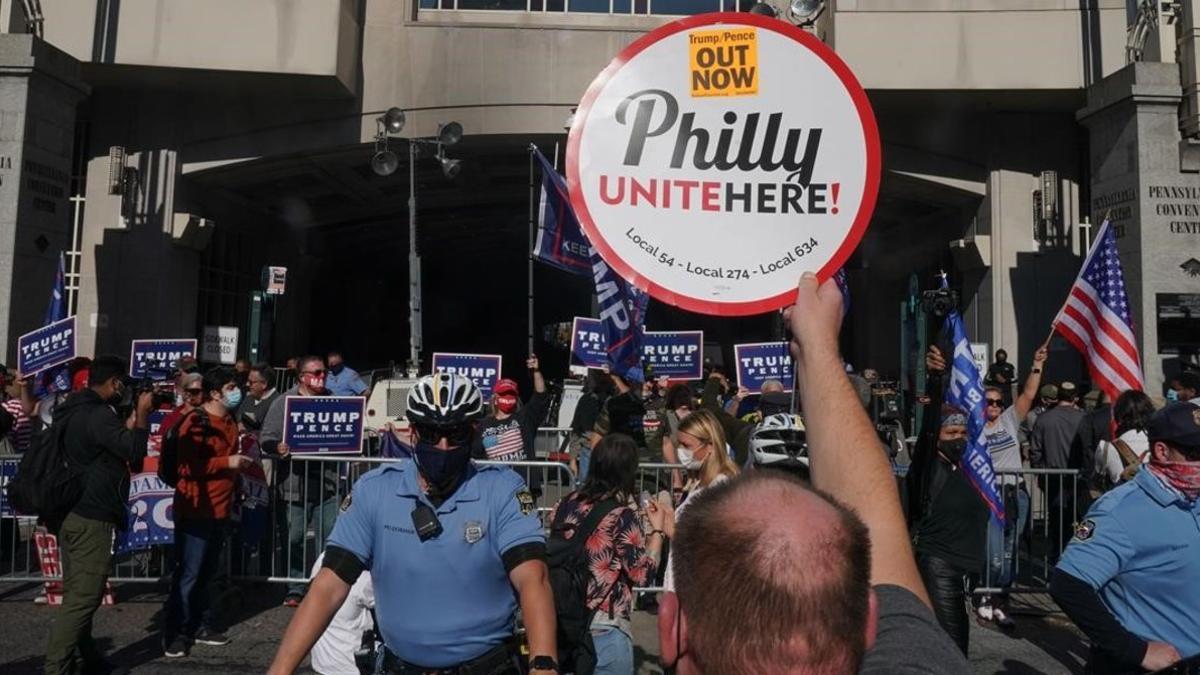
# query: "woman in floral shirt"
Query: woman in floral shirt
620,555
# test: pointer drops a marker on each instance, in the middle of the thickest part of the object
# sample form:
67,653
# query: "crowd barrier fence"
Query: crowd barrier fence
306,492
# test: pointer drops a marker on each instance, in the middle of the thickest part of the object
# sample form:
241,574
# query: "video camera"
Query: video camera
157,381
887,413
939,302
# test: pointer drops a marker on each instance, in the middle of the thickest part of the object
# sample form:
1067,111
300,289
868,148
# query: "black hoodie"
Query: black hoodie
99,445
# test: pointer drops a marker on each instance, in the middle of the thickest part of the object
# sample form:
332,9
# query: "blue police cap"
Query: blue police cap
1178,423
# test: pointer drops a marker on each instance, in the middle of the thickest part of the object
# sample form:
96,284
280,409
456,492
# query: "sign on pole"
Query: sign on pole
980,354
677,355
589,343
323,424
719,157
482,369
220,345
157,358
46,347
761,361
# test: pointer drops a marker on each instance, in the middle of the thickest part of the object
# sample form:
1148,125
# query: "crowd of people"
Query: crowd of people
780,540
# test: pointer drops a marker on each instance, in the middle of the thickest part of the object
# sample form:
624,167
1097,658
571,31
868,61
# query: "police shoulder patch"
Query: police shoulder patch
1084,530
525,501
345,506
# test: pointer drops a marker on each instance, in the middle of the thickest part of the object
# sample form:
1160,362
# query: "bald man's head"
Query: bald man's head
771,386
771,577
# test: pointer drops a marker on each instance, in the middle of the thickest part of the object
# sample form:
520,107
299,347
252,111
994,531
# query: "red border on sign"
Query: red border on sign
870,188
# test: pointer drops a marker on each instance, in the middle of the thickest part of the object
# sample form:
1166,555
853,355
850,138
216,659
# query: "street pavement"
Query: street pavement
1044,642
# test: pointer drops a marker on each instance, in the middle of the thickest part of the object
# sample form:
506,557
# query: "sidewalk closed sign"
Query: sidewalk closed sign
219,345
721,156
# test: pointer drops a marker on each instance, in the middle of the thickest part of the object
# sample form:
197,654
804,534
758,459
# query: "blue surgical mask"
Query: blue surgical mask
232,399
1172,395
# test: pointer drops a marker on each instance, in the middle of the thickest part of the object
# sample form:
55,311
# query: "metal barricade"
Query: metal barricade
306,495
1041,507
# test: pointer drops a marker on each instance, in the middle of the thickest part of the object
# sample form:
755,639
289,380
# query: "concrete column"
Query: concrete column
1146,176
39,91
1027,282
140,262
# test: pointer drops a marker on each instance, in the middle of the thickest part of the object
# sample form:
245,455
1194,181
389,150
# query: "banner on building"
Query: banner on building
589,344
46,347
761,361
677,355
151,511
323,424
157,358
719,157
219,345
482,369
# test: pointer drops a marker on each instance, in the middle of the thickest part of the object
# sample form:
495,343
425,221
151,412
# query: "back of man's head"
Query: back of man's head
105,368
772,577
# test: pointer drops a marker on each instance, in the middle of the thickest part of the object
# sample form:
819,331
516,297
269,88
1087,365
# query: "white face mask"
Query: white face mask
688,458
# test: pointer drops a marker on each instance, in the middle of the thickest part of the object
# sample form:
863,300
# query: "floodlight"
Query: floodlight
385,162
392,120
450,133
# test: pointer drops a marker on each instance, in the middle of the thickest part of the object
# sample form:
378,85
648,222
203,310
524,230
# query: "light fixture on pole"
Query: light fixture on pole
449,133
804,12
384,162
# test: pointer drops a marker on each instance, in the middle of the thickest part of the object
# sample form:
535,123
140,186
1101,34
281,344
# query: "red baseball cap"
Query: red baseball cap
505,386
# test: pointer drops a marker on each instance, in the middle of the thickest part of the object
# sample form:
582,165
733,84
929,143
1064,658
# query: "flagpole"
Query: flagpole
529,249
1091,249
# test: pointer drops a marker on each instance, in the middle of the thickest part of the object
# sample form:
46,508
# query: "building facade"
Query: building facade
1010,129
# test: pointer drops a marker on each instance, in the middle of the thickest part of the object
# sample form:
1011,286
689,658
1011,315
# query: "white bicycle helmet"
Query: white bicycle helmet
444,400
780,442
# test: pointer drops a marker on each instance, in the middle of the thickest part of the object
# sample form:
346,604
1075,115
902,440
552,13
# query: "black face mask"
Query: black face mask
337,370
953,450
774,402
442,469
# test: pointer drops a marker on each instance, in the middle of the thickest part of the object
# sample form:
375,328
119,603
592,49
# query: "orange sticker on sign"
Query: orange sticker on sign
723,62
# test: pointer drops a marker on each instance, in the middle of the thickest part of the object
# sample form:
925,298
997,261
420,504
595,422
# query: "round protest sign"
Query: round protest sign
719,157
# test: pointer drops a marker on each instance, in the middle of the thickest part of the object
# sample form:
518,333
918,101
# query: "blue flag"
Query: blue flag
560,241
56,379
623,316
965,392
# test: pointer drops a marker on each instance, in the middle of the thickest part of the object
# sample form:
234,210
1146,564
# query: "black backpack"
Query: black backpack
48,484
569,578
168,453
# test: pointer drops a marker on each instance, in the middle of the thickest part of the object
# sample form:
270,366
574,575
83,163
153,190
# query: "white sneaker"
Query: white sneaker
985,612
41,599
1003,619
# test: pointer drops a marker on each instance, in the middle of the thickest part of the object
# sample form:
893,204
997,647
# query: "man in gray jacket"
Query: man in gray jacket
308,490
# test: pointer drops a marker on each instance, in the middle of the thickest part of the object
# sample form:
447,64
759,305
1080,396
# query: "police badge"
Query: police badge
474,531
525,501
1085,530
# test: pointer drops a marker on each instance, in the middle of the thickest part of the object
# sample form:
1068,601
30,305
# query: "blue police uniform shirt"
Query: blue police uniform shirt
446,600
1139,547
345,383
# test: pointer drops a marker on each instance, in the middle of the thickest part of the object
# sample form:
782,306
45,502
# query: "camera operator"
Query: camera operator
105,446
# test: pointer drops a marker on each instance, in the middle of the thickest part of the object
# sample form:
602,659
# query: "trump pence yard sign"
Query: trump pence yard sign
719,157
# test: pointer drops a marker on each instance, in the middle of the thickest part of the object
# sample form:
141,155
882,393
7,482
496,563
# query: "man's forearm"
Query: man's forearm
539,382
537,607
324,597
848,462
1083,605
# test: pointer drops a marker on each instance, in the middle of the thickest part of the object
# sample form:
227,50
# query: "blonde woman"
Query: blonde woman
705,456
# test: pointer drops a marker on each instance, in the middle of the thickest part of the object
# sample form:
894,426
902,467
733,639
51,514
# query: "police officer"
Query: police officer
1130,578
447,542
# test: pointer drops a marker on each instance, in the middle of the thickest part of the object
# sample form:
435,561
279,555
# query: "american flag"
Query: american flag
508,445
1097,321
